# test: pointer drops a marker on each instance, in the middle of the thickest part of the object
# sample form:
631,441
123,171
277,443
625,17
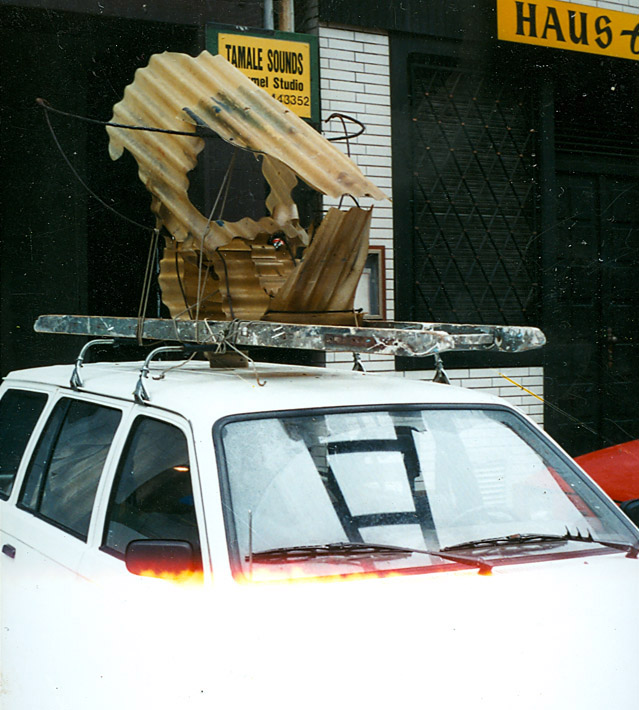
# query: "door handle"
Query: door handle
9,551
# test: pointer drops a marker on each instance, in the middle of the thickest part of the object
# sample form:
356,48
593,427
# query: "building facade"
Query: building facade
512,162
515,188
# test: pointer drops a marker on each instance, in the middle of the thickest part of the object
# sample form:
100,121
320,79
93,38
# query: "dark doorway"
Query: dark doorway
593,372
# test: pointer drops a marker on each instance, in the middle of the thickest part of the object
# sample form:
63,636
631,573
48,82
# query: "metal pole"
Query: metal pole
548,180
286,16
268,15
548,201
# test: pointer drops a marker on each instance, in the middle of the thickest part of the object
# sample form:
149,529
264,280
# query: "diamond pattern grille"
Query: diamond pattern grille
474,243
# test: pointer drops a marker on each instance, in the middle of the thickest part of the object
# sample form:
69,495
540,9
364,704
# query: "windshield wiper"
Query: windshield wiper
532,538
359,548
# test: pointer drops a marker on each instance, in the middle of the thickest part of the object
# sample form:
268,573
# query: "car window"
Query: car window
19,412
314,490
65,469
152,494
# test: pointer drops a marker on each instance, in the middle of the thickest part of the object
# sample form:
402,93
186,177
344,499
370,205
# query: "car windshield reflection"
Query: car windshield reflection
342,492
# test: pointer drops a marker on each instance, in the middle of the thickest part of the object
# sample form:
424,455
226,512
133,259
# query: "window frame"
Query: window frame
35,443
34,437
110,482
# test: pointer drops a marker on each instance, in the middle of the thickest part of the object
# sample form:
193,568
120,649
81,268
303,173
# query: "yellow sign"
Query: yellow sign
278,66
565,25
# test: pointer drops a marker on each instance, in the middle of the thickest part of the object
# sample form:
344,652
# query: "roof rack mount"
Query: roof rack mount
386,338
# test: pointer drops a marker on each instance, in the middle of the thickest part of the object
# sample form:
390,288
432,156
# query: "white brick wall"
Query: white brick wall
492,380
354,79
354,76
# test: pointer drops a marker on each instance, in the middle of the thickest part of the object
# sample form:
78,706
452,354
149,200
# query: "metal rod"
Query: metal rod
268,15
286,16
76,380
140,393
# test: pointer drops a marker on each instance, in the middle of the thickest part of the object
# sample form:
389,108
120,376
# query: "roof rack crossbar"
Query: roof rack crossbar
385,338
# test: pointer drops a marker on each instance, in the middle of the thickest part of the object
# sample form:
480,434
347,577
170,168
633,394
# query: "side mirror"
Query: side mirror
159,558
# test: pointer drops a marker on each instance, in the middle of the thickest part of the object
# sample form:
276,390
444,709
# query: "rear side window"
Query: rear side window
19,413
152,494
65,470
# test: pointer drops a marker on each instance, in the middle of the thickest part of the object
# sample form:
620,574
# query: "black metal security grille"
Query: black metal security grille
474,243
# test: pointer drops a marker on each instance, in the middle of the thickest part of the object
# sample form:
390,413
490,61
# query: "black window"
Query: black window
65,470
19,412
472,250
152,494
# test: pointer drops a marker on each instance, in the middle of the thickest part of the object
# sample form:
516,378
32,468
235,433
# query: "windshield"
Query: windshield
333,492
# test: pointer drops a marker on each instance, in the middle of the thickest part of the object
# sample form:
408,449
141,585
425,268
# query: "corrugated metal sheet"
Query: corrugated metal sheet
174,88
232,279
236,109
336,256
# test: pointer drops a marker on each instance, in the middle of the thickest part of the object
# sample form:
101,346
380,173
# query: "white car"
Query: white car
300,537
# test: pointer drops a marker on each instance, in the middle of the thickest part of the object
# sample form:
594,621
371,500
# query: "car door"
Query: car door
151,493
149,630
45,527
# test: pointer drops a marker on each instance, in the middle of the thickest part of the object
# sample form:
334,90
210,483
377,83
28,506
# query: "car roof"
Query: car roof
193,387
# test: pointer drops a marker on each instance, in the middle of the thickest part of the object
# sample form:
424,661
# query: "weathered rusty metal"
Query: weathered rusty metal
336,256
401,339
225,270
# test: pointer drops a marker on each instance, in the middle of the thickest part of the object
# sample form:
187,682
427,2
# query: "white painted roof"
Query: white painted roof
194,388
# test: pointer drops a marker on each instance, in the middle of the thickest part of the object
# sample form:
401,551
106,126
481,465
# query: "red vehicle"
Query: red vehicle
616,470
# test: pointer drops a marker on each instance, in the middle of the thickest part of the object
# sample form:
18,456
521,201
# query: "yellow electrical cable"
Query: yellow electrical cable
549,404
521,387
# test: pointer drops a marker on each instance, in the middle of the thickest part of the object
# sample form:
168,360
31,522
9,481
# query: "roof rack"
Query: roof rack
373,337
